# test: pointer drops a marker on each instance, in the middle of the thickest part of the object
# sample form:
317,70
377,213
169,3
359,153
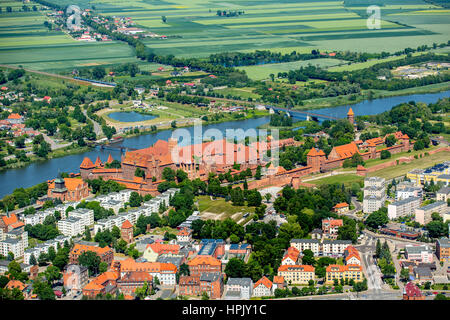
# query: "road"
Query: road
97,127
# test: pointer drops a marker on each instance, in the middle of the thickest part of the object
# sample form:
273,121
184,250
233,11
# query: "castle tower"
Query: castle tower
315,158
405,141
351,116
86,168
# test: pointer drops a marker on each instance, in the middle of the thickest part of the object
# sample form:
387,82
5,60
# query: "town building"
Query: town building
404,207
103,284
443,249
297,274
67,189
75,277
374,194
443,194
423,214
291,256
437,173
165,272
106,254
9,222
409,192
302,244
263,288
338,272
239,289
330,227
341,208
130,281
412,292
351,256
14,241
154,250
419,253
204,264
211,283
184,235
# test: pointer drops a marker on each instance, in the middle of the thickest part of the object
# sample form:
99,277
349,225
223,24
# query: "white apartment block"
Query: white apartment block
423,214
71,226
408,193
303,244
43,247
15,242
334,248
86,216
404,207
372,203
374,194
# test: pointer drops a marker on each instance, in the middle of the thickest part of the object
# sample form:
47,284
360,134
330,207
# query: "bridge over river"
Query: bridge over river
300,114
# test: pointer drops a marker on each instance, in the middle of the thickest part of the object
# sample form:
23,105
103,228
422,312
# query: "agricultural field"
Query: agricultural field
24,40
261,72
193,29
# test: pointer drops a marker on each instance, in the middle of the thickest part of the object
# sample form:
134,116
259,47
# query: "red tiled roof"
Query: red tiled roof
264,281
350,111
127,225
341,205
297,267
87,164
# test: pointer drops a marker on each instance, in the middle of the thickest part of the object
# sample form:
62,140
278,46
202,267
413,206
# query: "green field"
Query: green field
263,71
194,29
421,163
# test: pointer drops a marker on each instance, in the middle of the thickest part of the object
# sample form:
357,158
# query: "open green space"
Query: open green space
221,208
420,163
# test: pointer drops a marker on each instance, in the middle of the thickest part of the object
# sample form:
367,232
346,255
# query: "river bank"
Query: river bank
37,172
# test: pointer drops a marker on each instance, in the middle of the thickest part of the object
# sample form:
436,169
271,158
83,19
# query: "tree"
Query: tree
404,274
90,260
308,257
103,267
385,154
164,19
52,274
33,261
135,199
43,290
184,270
268,196
390,140
235,268
205,296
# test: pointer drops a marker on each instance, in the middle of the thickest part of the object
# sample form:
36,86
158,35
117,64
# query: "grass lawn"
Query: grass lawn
346,179
221,207
421,163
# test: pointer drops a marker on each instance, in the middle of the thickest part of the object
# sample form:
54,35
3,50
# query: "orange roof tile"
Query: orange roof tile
98,162
199,260
314,152
346,150
350,112
14,116
10,220
80,248
87,163
297,268
341,205
264,281
278,279
15,284
110,159
127,225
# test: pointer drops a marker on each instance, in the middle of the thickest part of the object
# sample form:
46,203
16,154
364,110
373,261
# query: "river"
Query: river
41,171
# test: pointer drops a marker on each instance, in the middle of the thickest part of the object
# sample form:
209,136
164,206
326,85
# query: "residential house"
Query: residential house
263,288
297,274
